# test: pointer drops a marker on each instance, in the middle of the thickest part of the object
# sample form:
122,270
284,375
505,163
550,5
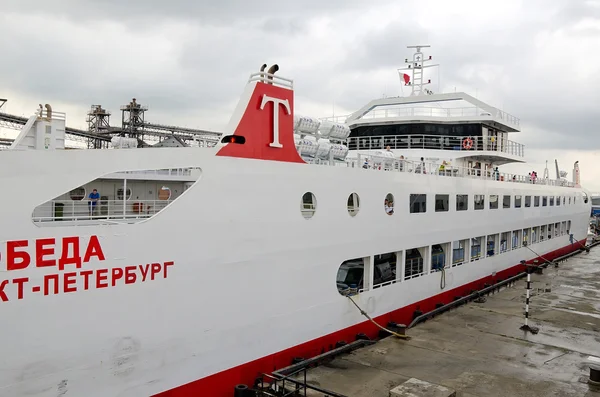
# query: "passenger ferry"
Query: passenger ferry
185,271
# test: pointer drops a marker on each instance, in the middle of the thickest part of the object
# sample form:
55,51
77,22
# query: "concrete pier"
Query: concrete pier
478,350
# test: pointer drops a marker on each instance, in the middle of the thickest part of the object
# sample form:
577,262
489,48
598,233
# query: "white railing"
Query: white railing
437,142
378,163
426,111
270,78
116,210
163,172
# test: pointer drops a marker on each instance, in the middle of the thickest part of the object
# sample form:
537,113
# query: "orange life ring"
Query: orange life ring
467,143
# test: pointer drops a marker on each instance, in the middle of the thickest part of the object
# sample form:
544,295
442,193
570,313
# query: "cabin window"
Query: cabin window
459,248
544,201
574,199
388,204
418,203
493,201
462,202
535,232
504,238
308,206
479,200
350,276
536,201
506,202
438,256
550,231
492,245
564,200
558,200
476,244
442,202
563,227
353,204
413,264
568,227
543,233
569,200
384,271
527,201
551,201
77,194
517,201
516,239
526,237
557,229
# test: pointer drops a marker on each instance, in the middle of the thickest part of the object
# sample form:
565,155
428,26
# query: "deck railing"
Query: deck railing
437,142
379,163
110,210
427,111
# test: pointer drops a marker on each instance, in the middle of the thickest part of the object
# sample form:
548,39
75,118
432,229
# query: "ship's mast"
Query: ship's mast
417,66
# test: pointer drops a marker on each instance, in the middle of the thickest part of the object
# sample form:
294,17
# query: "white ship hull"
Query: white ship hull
237,282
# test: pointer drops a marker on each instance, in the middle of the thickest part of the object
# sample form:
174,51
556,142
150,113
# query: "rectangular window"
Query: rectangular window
479,200
551,201
527,201
506,202
569,200
544,201
564,200
517,201
418,203
493,201
543,233
441,202
558,200
536,201
462,202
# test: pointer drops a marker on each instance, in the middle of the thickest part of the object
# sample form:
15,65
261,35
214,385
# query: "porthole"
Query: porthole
308,206
388,204
120,194
353,204
77,194
164,193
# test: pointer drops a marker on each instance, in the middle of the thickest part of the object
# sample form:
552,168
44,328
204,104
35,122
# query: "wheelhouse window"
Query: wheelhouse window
442,202
418,203
479,200
527,201
493,201
462,202
506,202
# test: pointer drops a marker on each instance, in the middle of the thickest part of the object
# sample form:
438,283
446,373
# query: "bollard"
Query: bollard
594,375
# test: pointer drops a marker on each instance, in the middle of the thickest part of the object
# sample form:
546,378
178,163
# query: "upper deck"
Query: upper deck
437,108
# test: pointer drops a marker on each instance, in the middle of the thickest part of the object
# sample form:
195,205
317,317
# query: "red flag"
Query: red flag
406,78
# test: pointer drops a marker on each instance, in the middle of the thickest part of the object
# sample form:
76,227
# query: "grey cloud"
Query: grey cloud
199,11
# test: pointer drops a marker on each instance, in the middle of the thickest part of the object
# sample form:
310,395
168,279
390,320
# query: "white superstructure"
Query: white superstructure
190,270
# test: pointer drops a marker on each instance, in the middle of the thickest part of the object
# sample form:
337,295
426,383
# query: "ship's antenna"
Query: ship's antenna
546,173
416,66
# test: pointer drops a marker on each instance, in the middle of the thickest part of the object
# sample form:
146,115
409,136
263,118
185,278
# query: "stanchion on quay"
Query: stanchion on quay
526,327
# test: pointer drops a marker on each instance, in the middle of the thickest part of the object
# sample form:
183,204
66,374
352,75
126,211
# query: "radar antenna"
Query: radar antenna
417,66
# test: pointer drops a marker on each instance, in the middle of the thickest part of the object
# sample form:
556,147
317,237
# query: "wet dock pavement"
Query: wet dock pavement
478,349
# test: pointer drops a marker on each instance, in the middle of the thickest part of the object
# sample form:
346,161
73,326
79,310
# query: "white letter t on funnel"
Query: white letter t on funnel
276,102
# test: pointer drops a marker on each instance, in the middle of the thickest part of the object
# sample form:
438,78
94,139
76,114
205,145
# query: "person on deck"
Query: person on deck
93,201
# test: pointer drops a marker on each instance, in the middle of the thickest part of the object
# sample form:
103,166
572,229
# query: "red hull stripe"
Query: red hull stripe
222,384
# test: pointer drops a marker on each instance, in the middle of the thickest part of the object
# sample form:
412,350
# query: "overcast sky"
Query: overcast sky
188,60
